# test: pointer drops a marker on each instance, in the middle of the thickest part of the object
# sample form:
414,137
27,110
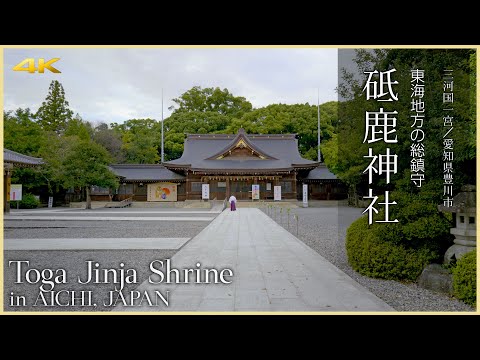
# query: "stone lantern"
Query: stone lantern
464,210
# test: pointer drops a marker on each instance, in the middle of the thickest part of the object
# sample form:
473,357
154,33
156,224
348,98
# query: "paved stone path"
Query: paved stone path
273,271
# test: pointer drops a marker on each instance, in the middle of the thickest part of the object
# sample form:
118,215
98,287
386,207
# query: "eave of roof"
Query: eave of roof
13,157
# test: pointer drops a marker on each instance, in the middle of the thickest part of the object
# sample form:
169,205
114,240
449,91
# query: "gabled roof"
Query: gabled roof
241,141
321,172
204,152
145,172
16,158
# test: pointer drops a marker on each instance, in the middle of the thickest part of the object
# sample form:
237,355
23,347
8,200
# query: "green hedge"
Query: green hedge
369,254
29,201
400,250
465,278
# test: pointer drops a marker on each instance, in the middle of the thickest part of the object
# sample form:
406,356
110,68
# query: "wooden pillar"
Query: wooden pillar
227,191
294,185
6,187
188,186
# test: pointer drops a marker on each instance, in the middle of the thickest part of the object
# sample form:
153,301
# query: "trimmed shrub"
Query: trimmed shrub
465,278
371,255
29,201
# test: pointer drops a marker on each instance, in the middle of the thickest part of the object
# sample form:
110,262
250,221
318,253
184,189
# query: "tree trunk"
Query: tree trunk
89,202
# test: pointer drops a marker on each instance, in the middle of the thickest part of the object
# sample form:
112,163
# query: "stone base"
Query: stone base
456,251
434,277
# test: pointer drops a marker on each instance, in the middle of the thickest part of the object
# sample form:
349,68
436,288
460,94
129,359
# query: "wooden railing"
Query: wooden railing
120,204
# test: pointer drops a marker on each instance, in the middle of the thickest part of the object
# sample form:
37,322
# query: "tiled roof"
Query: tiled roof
281,152
144,172
321,172
14,157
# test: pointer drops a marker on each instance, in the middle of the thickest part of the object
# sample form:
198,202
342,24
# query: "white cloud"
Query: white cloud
114,85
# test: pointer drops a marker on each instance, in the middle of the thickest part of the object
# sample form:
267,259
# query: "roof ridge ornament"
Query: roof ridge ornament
241,141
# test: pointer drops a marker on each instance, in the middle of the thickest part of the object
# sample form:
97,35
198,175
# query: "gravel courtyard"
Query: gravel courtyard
74,261
324,230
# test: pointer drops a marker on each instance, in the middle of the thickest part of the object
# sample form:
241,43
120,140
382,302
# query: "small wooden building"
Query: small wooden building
11,160
323,185
136,179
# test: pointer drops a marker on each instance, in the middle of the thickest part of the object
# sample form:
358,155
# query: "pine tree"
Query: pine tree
54,113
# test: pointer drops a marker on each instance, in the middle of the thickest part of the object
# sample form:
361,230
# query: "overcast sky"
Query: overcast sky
114,85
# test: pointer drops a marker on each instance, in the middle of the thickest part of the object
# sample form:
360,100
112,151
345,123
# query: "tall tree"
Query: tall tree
78,127
110,140
22,133
87,164
212,100
54,113
141,139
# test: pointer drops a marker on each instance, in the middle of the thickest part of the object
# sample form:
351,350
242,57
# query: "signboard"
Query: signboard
222,184
255,192
162,192
305,195
205,191
15,192
50,201
277,193
269,186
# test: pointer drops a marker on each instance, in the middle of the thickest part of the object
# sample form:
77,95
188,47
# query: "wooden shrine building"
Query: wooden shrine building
230,164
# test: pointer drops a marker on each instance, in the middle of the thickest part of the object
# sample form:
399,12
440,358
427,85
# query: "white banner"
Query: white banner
205,191
255,192
305,195
277,193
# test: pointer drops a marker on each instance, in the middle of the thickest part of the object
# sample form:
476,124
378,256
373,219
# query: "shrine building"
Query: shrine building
229,164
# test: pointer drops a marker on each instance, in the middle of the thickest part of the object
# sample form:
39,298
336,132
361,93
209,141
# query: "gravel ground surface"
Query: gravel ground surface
91,229
74,261
324,230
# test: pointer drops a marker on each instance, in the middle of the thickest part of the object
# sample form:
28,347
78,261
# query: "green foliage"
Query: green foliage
86,164
421,235
29,201
370,255
465,278
140,140
419,222
54,153
80,128
111,140
22,133
54,113
212,100
300,119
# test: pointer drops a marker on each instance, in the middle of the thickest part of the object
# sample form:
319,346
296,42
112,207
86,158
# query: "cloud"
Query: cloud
113,85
